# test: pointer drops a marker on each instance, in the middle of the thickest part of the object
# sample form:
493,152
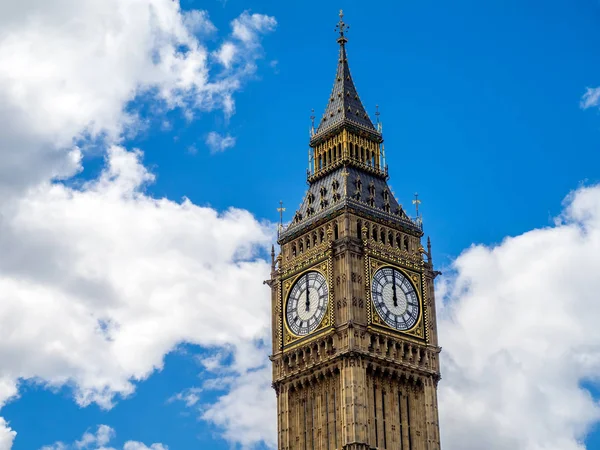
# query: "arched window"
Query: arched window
320,162
301,246
375,234
398,241
321,235
307,242
362,153
383,236
406,243
335,231
391,238
359,229
294,250
329,160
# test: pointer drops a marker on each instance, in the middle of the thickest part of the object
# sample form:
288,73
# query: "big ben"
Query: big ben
355,348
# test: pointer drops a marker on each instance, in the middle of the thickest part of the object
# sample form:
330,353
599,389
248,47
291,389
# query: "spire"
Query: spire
273,258
344,105
429,260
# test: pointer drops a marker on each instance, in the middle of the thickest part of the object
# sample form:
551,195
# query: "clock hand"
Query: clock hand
395,298
307,297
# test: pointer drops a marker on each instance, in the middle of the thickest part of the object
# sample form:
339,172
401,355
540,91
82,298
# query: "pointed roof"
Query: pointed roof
344,105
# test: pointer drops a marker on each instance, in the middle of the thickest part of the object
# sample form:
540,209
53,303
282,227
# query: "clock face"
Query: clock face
395,299
307,303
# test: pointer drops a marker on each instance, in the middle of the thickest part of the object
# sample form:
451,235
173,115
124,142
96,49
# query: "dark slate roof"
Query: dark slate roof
344,105
326,196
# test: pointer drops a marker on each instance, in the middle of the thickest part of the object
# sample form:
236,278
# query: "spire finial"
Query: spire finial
280,210
312,123
417,202
341,27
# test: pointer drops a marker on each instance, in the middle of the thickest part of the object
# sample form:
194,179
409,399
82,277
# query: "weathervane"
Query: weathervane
417,202
377,114
281,209
341,27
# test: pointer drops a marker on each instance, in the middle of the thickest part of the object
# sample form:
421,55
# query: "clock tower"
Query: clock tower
355,350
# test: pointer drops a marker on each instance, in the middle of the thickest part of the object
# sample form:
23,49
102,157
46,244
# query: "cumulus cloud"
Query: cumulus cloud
249,391
242,386
109,280
218,143
520,337
7,435
69,71
247,30
99,281
591,98
226,54
100,440
249,27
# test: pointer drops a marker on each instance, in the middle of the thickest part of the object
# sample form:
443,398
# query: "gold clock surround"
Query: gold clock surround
372,265
289,337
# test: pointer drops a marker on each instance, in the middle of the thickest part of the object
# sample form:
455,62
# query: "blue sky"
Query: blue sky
481,101
480,104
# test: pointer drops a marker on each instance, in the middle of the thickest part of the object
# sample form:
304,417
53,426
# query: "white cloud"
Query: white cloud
519,336
69,70
248,27
104,434
591,98
189,396
109,280
7,435
99,441
198,22
246,386
249,391
98,283
132,445
226,54
218,143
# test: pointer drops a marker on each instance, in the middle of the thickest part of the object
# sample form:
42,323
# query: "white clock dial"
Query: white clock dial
307,303
395,299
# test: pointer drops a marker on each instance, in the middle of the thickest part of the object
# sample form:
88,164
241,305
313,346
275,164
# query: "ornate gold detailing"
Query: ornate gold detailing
426,310
403,257
307,258
371,266
325,268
